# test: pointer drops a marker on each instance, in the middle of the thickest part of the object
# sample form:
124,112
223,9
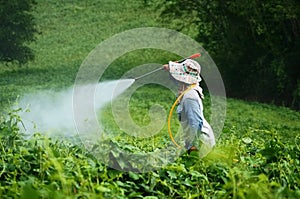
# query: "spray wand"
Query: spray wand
149,73
193,56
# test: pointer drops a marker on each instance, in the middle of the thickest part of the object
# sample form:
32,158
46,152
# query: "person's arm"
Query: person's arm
192,112
192,120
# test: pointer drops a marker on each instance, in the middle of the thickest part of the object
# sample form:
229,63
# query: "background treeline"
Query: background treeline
254,43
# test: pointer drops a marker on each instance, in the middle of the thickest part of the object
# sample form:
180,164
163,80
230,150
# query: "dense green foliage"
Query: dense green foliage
17,28
257,155
255,44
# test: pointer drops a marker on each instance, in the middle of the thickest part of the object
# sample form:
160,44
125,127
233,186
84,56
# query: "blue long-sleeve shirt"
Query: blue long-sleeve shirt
196,130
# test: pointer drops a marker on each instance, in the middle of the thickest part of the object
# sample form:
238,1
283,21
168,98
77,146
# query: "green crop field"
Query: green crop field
256,156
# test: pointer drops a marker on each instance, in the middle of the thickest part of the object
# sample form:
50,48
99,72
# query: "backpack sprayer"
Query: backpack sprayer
178,98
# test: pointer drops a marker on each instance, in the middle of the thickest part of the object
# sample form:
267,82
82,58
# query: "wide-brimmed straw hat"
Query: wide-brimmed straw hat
187,71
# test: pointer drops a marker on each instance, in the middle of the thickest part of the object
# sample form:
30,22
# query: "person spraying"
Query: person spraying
197,133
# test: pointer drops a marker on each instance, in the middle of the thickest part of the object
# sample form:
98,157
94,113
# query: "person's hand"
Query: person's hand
166,67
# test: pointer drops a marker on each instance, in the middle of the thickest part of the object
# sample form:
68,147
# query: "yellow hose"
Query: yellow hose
171,112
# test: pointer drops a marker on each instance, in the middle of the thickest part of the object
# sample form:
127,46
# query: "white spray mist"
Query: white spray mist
51,112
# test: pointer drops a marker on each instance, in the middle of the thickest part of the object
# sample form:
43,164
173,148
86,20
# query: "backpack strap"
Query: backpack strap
199,94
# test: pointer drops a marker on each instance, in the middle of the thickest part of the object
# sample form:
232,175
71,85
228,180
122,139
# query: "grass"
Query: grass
68,31
257,155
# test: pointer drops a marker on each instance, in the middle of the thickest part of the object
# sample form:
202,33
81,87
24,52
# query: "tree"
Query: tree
256,44
17,28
